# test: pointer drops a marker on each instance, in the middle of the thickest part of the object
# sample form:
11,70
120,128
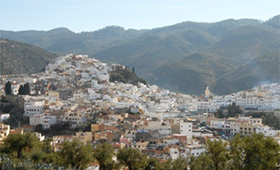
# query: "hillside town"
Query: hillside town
76,90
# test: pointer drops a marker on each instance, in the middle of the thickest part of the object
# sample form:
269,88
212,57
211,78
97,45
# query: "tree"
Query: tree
236,153
167,164
75,154
233,110
271,120
217,152
260,152
8,88
36,154
154,164
254,152
216,157
220,114
181,163
26,89
201,162
17,144
104,153
39,128
48,149
132,158
21,90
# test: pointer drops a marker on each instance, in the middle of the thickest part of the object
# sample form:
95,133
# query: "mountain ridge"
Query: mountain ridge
20,58
222,47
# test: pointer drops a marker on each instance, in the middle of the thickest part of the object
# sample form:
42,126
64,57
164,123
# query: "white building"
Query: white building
174,153
45,120
30,110
163,128
195,150
4,116
186,129
35,119
266,131
33,106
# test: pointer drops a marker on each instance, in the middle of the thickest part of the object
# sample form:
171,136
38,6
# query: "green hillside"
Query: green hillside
184,57
192,73
64,41
230,65
18,58
274,22
189,60
264,69
125,75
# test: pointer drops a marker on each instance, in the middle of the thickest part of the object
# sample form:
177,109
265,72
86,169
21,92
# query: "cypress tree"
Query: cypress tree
21,90
8,88
26,89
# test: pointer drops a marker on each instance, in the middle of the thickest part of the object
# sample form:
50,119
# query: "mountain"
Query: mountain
264,69
274,22
242,59
194,73
18,58
184,57
149,52
64,41
187,57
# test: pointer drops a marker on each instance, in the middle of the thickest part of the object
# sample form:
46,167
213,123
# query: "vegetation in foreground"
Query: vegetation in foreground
27,152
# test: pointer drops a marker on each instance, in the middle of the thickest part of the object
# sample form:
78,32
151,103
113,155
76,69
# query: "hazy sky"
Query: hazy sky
90,15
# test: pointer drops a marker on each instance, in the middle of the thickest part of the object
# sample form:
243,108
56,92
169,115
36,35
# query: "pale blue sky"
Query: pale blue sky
90,15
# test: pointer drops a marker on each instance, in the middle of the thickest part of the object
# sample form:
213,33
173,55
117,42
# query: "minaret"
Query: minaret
207,92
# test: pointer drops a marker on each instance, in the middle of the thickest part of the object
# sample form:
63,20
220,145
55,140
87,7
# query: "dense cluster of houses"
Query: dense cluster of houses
159,137
75,89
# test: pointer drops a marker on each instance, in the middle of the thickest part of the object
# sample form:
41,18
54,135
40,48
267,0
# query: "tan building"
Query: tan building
58,140
247,129
4,131
101,127
84,136
94,128
53,94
